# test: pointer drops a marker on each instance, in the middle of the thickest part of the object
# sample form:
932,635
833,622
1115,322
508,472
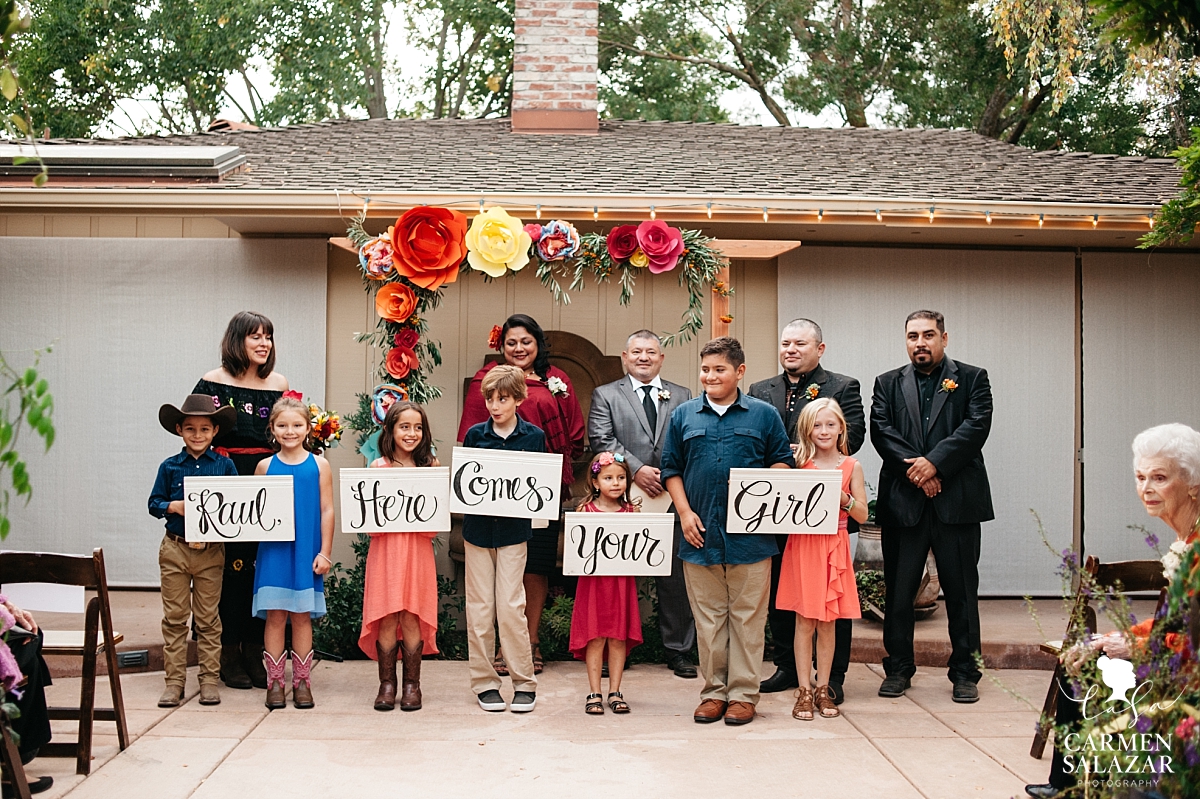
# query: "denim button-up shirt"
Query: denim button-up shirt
492,532
168,486
702,447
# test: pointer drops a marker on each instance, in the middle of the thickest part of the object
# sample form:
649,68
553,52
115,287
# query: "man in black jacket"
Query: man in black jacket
929,422
802,381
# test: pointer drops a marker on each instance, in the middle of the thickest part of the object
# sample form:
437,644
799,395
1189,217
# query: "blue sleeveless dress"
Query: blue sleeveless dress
283,573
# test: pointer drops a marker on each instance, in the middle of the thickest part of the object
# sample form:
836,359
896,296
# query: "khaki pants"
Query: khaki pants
191,587
729,604
496,597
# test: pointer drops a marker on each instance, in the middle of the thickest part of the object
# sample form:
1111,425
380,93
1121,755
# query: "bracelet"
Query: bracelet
850,505
323,555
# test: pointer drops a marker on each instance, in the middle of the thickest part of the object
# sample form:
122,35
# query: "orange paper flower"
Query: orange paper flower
494,338
395,302
401,361
428,245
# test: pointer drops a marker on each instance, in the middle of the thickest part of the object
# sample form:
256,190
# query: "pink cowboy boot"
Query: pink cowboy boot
275,694
302,696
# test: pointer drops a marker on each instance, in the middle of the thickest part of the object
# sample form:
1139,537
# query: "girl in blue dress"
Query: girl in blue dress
288,578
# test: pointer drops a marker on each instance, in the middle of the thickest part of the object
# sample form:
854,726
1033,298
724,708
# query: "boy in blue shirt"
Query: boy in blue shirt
190,573
495,551
728,576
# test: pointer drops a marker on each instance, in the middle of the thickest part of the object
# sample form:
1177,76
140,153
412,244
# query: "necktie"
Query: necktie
651,407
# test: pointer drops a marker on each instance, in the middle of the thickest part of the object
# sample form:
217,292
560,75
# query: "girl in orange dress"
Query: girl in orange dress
400,586
817,576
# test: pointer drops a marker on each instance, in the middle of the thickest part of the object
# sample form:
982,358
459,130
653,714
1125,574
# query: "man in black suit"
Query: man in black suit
802,381
929,422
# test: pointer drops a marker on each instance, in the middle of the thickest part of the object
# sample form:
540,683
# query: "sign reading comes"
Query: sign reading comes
489,482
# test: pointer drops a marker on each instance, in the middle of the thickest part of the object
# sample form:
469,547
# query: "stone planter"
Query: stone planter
869,553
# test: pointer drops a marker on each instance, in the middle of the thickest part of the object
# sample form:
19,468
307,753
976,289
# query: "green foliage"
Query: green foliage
472,45
554,634
26,404
1148,22
452,642
337,631
1177,220
870,588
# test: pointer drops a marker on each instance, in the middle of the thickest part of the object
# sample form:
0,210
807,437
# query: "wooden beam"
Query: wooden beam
754,249
720,307
344,243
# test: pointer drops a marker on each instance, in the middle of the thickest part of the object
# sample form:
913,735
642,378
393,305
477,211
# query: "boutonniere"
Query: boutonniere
557,387
812,391
948,386
664,395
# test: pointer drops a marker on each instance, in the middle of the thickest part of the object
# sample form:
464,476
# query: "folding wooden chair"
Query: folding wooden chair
88,572
1128,576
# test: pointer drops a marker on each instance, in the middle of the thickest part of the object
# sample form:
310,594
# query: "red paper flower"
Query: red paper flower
296,395
622,241
534,230
662,244
429,244
401,361
408,337
494,341
395,302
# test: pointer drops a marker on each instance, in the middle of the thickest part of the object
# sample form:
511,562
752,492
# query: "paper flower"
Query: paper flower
428,245
383,397
559,241
296,395
494,338
639,259
375,258
621,242
496,243
606,459
557,387
662,244
407,337
534,230
400,361
395,302
948,386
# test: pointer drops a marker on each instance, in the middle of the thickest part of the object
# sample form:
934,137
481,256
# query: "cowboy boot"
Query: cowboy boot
411,699
254,664
275,693
232,672
302,696
386,698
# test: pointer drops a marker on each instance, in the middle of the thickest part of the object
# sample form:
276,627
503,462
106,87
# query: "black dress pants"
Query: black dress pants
956,550
783,630
1067,711
33,726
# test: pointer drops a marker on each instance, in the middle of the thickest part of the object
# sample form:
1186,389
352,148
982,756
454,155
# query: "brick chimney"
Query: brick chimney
554,66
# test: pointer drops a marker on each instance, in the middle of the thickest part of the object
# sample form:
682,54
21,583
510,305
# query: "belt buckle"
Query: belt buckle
197,545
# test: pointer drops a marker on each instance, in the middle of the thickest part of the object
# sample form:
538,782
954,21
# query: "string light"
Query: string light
766,216
595,212
481,205
1095,219
539,210
931,209
988,216
710,210
652,214
1150,219
878,215
1041,219
820,214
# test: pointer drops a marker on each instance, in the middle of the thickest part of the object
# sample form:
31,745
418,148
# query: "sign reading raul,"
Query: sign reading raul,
395,500
783,501
617,544
251,508
489,482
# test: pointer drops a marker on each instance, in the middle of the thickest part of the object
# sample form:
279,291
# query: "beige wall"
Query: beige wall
115,227
1141,367
1009,312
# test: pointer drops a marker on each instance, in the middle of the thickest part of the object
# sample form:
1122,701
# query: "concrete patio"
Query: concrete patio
922,745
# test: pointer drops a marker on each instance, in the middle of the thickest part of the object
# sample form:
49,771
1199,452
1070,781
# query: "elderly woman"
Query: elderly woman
1166,467
32,726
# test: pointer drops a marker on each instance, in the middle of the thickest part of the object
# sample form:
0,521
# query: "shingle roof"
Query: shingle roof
678,158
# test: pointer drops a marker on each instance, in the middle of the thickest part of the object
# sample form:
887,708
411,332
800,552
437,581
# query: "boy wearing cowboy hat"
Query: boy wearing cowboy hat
191,573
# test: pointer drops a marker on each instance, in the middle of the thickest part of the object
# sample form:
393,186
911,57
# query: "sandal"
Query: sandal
619,704
499,665
538,665
594,705
824,703
803,709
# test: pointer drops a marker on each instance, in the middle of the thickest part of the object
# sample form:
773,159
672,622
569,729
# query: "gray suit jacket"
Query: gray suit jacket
617,422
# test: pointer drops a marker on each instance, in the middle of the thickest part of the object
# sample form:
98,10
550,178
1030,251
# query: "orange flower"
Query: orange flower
726,318
494,338
428,245
395,302
401,361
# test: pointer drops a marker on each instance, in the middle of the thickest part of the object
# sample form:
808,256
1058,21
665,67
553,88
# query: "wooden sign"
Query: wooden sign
251,508
784,501
618,544
492,482
395,500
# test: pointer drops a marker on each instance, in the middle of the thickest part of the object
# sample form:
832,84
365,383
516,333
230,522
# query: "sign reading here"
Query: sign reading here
491,482
395,500
251,508
618,544
784,501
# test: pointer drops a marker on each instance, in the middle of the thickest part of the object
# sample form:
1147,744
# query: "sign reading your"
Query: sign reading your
784,501
618,544
395,500
251,508
520,485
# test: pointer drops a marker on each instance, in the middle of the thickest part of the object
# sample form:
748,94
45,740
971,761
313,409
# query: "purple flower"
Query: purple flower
1144,724
1175,662
216,401
1143,671
1152,540
1191,755
6,620
10,675
263,413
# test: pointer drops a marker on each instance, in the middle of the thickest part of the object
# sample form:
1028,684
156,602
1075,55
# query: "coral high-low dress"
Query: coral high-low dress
816,578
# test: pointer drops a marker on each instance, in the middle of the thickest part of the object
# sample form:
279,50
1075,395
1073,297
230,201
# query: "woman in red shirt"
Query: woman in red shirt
553,407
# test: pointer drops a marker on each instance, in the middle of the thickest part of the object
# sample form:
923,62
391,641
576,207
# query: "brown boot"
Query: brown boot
411,699
386,698
302,696
275,668
232,672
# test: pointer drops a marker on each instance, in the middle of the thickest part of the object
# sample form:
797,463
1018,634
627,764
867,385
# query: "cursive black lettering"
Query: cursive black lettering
227,519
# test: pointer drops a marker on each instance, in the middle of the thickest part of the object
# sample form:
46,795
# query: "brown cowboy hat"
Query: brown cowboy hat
224,417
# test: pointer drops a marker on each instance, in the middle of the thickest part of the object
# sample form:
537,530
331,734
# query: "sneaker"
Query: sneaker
523,701
894,686
492,702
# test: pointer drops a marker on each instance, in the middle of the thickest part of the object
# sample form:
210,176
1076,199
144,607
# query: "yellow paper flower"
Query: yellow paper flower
497,242
639,259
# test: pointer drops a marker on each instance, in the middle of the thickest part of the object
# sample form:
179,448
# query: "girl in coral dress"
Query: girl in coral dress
817,576
400,585
606,608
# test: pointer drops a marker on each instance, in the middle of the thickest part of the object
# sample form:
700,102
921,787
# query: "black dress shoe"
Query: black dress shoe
894,686
781,680
682,667
836,691
1046,791
965,692
39,785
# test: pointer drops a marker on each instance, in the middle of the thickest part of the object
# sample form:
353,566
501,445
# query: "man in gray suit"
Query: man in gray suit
630,416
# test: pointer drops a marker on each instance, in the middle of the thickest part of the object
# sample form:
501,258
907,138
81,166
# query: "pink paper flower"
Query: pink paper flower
662,244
